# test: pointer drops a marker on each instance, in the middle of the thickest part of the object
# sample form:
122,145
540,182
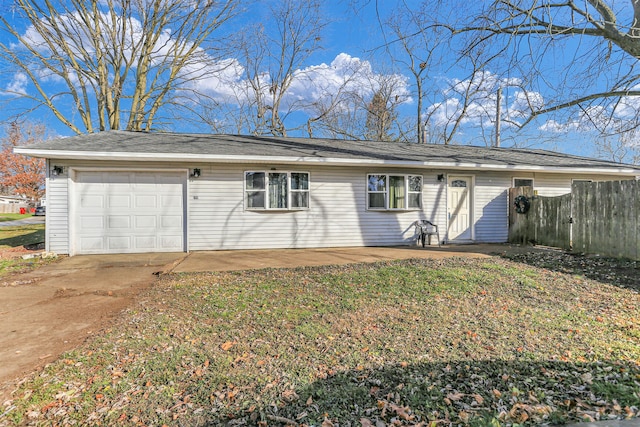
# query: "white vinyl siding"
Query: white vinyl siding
338,214
555,185
57,217
491,208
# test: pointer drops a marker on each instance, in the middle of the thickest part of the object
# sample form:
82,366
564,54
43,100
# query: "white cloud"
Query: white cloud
473,101
226,82
18,85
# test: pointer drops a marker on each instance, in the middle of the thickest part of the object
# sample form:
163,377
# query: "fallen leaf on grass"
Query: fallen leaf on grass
455,396
327,423
403,412
227,345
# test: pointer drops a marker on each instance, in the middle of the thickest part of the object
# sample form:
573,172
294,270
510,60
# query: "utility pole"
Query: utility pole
498,113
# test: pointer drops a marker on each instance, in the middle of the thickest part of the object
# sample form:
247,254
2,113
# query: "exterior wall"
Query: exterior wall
217,219
57,218
337,215
491,215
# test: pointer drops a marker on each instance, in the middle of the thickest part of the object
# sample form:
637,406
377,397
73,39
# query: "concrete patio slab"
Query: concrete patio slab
288,258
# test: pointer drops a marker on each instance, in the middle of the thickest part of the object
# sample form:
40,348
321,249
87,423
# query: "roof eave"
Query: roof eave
215,158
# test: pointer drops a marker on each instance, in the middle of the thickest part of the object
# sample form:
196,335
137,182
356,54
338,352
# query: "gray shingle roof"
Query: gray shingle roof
166,146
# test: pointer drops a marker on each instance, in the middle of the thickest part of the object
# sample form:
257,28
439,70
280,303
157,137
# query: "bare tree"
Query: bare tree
419,51
621,148
381,115
363,107
112,63
583,55
273,55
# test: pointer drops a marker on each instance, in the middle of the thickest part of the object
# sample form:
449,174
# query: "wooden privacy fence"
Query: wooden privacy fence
606,218
11,207
546,221
596,217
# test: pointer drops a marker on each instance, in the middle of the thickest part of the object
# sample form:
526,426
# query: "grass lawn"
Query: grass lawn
20,235
417,342
13,216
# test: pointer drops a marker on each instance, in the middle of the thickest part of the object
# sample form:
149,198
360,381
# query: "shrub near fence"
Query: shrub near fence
605,219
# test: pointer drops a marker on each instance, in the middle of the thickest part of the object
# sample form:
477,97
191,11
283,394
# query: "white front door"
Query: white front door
459,207
128,211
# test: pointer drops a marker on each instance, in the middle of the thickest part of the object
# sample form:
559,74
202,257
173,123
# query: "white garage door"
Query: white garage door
126,212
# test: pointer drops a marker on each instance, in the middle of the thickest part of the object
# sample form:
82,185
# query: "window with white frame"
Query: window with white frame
394,192
523,182
276,190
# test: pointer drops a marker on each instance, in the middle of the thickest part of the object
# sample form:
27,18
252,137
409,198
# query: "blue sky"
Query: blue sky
355,37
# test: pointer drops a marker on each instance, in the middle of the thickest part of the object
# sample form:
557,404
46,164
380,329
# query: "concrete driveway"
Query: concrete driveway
55,308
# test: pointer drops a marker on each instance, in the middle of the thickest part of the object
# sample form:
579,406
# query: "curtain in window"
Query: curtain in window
396,192
277,190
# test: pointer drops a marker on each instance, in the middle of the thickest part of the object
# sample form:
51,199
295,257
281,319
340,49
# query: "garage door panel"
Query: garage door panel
145,221
93,178
119,221
141,180
92,223
89,201
149,201
119,243
92,244
170,200
119,201
126,212
117,179
168,221
146,242
171,243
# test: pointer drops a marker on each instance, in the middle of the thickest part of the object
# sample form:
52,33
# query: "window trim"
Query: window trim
513,181
387,201
266,207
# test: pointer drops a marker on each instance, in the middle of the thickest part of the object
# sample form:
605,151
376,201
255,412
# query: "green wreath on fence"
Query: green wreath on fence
522,204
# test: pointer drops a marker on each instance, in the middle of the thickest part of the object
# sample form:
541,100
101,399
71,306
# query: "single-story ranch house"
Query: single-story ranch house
122,192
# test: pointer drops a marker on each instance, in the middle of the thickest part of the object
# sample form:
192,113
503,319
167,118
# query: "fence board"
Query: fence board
11,207
521,226
552,221
606,218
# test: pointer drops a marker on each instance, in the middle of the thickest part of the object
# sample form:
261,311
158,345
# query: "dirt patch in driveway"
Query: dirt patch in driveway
53,309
